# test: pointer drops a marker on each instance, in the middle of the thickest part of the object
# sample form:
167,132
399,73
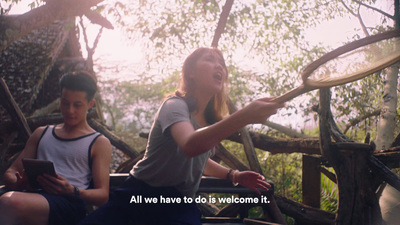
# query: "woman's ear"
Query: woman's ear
191,76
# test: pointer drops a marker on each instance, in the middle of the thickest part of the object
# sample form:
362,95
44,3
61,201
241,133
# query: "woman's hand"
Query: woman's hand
251,180
259,110
55,185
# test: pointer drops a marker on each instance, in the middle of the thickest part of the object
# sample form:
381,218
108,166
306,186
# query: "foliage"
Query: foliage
130,106
265,46
285,171
329,194
9,4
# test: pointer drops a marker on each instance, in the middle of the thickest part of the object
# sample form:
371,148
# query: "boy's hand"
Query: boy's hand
55,185
22,181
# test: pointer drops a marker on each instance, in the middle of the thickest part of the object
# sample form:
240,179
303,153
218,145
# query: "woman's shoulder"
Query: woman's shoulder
174,106
174,101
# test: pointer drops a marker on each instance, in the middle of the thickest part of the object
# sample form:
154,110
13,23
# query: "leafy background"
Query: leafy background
266,44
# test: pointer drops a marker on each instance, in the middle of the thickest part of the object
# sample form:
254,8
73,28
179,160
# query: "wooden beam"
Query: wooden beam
358,203
384,172
304,214
281,145
15,112
275,145
248,221
247,144
270,210
228,158
116,141
311,181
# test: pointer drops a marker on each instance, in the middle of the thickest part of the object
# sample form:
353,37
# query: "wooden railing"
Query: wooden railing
244,199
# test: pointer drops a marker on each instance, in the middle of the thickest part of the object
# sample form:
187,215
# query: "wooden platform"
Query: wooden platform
245,221
215,185
207,185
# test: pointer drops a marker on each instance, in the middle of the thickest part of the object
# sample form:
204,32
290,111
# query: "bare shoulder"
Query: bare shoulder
30,148
102,140
102,144
39,131
36,134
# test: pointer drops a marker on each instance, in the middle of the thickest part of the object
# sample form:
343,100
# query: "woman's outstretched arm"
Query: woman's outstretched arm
195,142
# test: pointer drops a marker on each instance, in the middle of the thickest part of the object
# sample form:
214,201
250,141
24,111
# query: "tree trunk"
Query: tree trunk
358,204
385,134
386,124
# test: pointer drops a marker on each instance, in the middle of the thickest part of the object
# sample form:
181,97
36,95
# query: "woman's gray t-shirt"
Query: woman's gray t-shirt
164,163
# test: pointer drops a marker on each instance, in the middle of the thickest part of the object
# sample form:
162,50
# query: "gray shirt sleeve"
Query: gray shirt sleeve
164,163
172,111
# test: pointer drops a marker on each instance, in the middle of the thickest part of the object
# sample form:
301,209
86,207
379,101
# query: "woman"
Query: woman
186,128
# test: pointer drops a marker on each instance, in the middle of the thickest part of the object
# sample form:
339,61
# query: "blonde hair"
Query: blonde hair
217,107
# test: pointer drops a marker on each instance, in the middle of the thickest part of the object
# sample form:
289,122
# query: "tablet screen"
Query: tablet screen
36,167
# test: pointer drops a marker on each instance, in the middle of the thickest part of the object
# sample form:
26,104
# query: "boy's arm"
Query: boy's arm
14,177
101,159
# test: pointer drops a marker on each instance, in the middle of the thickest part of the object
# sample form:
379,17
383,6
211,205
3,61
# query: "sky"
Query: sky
113,49
120,51
332,33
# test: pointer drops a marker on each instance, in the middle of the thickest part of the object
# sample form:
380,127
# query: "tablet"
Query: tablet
36,167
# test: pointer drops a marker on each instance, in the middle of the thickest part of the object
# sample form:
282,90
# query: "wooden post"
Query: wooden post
358,204
14,111
311,181
116,141
355,189
271,210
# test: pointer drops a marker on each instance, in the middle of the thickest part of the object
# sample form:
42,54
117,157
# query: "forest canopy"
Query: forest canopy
266,45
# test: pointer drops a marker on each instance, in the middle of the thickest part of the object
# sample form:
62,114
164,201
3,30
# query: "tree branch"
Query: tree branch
357,120
357,15
14,27
375,9
222,22
289,132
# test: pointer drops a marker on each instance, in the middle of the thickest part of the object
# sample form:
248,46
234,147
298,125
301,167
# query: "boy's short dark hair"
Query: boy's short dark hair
80,81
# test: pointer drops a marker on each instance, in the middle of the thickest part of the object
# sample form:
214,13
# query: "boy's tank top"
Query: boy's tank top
71,157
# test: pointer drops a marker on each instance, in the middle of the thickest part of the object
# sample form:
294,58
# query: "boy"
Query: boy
81,158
